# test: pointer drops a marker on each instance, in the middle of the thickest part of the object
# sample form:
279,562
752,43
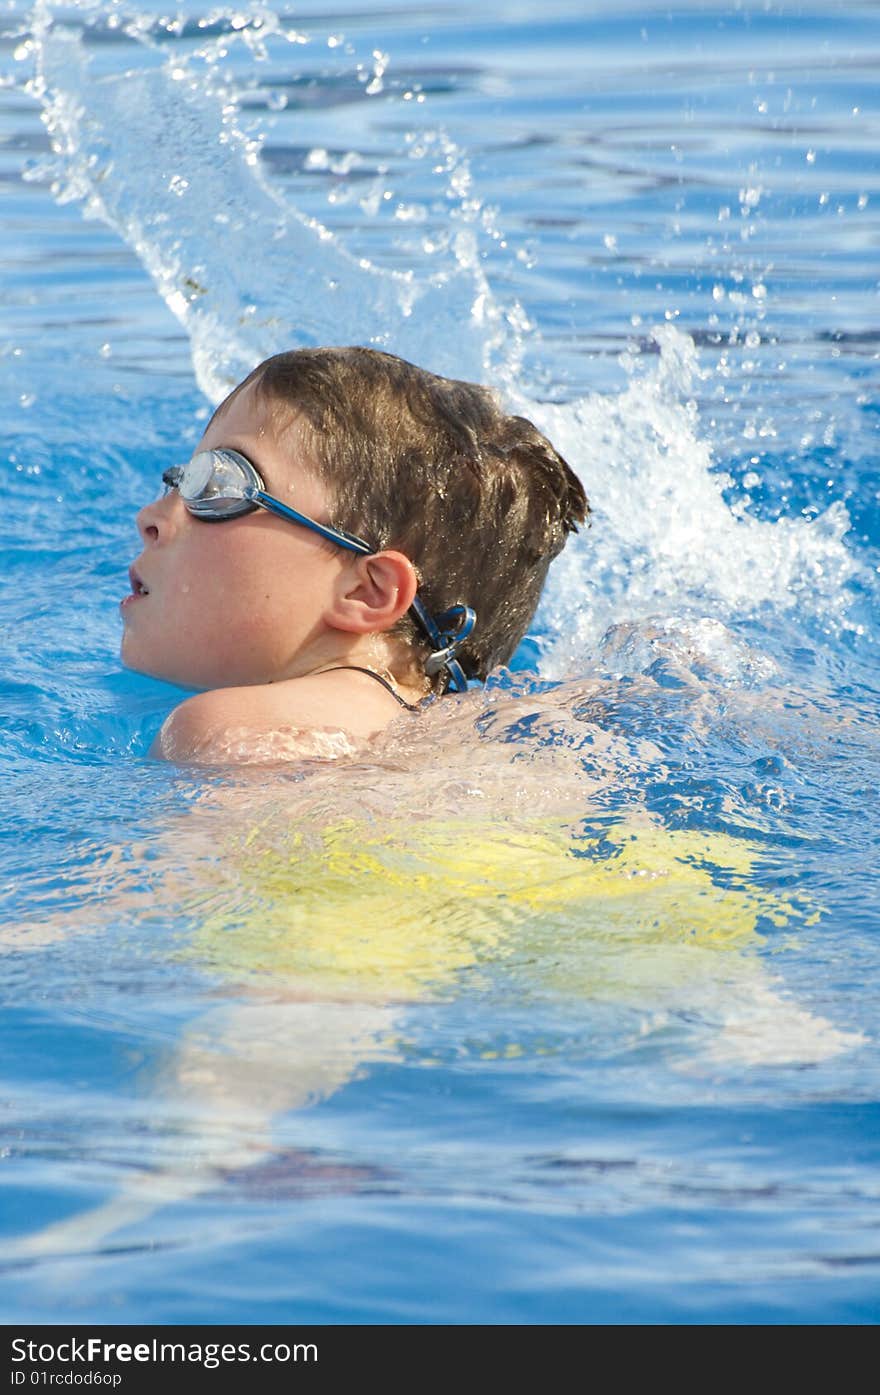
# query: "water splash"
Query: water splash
161,154
665,547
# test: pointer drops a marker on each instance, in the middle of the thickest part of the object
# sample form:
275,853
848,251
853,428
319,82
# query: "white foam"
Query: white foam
664,543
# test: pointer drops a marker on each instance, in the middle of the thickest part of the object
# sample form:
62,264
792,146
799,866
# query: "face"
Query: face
222,604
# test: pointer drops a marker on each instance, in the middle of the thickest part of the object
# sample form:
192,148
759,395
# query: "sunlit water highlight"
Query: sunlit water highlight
563,1006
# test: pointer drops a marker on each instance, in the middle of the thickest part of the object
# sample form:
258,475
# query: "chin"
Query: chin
132,657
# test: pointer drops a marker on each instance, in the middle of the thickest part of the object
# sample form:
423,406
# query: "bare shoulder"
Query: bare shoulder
308,718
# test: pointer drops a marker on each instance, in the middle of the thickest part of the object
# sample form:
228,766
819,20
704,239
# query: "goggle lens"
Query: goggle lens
215,483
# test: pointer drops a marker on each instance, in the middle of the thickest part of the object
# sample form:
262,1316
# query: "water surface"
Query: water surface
563,1008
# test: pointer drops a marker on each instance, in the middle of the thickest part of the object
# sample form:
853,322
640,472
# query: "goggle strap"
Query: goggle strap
334,535
447,633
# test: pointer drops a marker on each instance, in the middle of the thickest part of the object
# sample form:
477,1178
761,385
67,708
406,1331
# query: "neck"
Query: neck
379,653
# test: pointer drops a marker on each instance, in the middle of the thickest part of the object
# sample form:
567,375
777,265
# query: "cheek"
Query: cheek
273,572
235,607
196,614
254,606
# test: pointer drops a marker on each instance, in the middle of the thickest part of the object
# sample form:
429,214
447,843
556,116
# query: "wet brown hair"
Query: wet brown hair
478,500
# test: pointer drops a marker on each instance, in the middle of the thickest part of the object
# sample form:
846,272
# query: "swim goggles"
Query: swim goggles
220,484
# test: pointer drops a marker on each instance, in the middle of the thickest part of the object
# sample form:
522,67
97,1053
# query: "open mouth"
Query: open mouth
137,586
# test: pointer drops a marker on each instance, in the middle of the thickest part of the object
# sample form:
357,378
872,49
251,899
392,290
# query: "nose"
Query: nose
156,521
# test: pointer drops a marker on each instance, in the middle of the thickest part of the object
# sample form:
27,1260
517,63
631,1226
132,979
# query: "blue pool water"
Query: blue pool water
567,1010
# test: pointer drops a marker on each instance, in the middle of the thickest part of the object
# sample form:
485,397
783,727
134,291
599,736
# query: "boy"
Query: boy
352,535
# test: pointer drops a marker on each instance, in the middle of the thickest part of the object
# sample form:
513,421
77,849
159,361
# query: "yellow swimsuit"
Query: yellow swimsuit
401,910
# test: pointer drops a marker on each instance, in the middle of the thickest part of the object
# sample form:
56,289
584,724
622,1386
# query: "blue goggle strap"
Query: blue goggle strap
447,633
334,535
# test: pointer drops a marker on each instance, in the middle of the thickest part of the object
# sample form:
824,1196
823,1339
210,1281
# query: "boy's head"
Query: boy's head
420,467
479,501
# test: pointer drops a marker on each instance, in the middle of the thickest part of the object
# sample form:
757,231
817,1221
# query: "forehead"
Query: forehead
246,412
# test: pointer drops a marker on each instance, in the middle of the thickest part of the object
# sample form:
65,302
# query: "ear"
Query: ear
373,593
